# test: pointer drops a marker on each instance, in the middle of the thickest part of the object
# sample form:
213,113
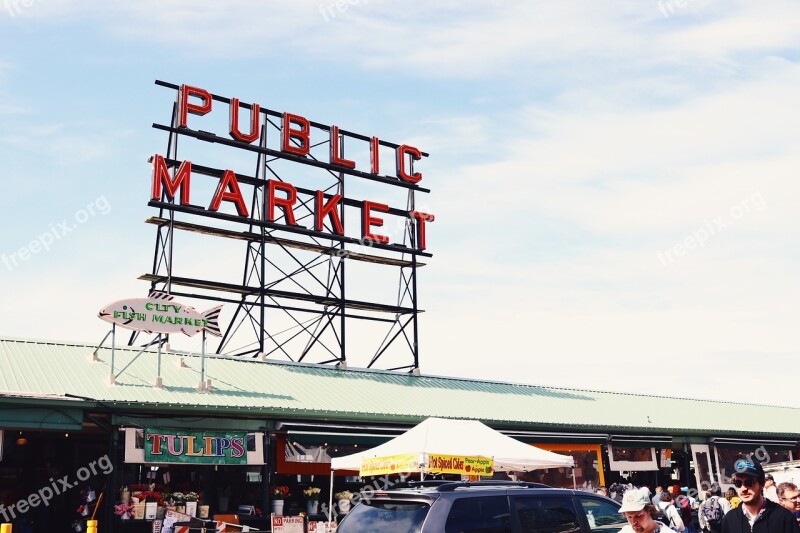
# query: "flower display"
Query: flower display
312,493
192,496
148,495
344,495
281,492
123,510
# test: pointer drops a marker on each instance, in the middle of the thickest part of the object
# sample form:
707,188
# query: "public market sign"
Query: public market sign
195,447
172,179
160,313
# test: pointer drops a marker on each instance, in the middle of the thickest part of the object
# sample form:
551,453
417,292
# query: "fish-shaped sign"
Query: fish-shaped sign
161,314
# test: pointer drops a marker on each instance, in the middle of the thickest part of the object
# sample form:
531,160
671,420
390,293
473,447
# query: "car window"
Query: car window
385,517
537,514
485,514
602,515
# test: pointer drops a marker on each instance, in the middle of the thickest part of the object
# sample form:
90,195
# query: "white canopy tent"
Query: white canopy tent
459,437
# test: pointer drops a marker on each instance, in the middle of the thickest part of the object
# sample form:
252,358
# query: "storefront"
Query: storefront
64,419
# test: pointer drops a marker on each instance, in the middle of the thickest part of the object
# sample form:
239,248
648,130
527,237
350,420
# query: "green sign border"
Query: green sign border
198,445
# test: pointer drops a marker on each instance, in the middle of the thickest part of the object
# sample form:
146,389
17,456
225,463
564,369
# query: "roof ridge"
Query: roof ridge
328,368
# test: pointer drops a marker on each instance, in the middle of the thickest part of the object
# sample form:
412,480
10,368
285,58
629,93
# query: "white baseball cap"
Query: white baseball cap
634,500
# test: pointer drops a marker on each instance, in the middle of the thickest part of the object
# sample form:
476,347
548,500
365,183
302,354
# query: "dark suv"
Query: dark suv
484,507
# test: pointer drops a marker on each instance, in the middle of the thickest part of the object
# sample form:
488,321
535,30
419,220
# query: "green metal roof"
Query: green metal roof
51,372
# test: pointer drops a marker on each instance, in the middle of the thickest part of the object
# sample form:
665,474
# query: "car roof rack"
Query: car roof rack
416,483
453,485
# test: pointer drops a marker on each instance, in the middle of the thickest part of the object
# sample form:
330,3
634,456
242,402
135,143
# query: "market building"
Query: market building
61,416
303,269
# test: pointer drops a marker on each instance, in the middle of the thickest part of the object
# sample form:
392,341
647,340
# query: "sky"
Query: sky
614,183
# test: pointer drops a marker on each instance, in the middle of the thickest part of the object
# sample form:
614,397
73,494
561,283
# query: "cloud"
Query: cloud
637,170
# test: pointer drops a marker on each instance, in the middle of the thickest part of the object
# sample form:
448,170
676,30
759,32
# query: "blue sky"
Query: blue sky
614,183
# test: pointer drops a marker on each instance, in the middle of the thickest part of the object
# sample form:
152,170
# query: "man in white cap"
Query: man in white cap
640,512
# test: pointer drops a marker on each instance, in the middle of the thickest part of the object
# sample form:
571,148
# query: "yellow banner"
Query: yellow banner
378,466
460,464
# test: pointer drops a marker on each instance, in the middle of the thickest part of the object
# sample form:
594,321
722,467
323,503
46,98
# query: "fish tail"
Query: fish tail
212,316
159,295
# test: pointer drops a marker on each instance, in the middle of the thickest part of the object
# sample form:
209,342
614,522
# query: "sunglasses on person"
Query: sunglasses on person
747,482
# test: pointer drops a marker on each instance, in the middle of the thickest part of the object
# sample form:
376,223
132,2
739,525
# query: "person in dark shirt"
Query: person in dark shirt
755,514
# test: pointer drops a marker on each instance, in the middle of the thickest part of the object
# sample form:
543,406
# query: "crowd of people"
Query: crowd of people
755,505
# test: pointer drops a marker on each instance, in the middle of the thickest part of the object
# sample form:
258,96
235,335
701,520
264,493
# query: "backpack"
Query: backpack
662,515
712,511
685,508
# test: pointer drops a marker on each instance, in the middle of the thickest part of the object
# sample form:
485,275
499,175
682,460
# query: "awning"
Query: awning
326,433
327,437
641,441
752,444
557,438
26,417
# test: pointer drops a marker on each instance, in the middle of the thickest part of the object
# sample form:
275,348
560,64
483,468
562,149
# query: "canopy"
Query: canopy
459,437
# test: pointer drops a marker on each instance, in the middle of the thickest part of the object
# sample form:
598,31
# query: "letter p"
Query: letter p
49,495
185,107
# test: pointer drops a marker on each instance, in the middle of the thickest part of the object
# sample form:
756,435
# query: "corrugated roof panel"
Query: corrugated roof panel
285,389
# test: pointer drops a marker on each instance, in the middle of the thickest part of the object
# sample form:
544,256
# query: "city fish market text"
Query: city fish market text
160,314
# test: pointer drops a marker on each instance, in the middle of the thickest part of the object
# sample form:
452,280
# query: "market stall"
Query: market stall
420,449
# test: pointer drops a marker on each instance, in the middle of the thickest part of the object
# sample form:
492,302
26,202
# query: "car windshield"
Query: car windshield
385,517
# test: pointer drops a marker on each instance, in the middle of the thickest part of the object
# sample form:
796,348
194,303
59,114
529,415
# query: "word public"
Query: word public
281,195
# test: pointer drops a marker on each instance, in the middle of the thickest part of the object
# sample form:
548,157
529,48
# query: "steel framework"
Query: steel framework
292,299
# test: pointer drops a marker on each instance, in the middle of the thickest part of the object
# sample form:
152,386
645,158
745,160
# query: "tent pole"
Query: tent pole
330,499
574,483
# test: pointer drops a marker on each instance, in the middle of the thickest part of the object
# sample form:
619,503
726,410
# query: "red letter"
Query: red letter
161,173
374,155
255,122
416,155
367,221
286,203
321,210
156,447
234,195
421,218
335,159
287,134
185,107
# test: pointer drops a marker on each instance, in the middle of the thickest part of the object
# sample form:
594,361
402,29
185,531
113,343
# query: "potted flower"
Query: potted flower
279,494
191,503
136,489
180,502
312,495
123,510
343,498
